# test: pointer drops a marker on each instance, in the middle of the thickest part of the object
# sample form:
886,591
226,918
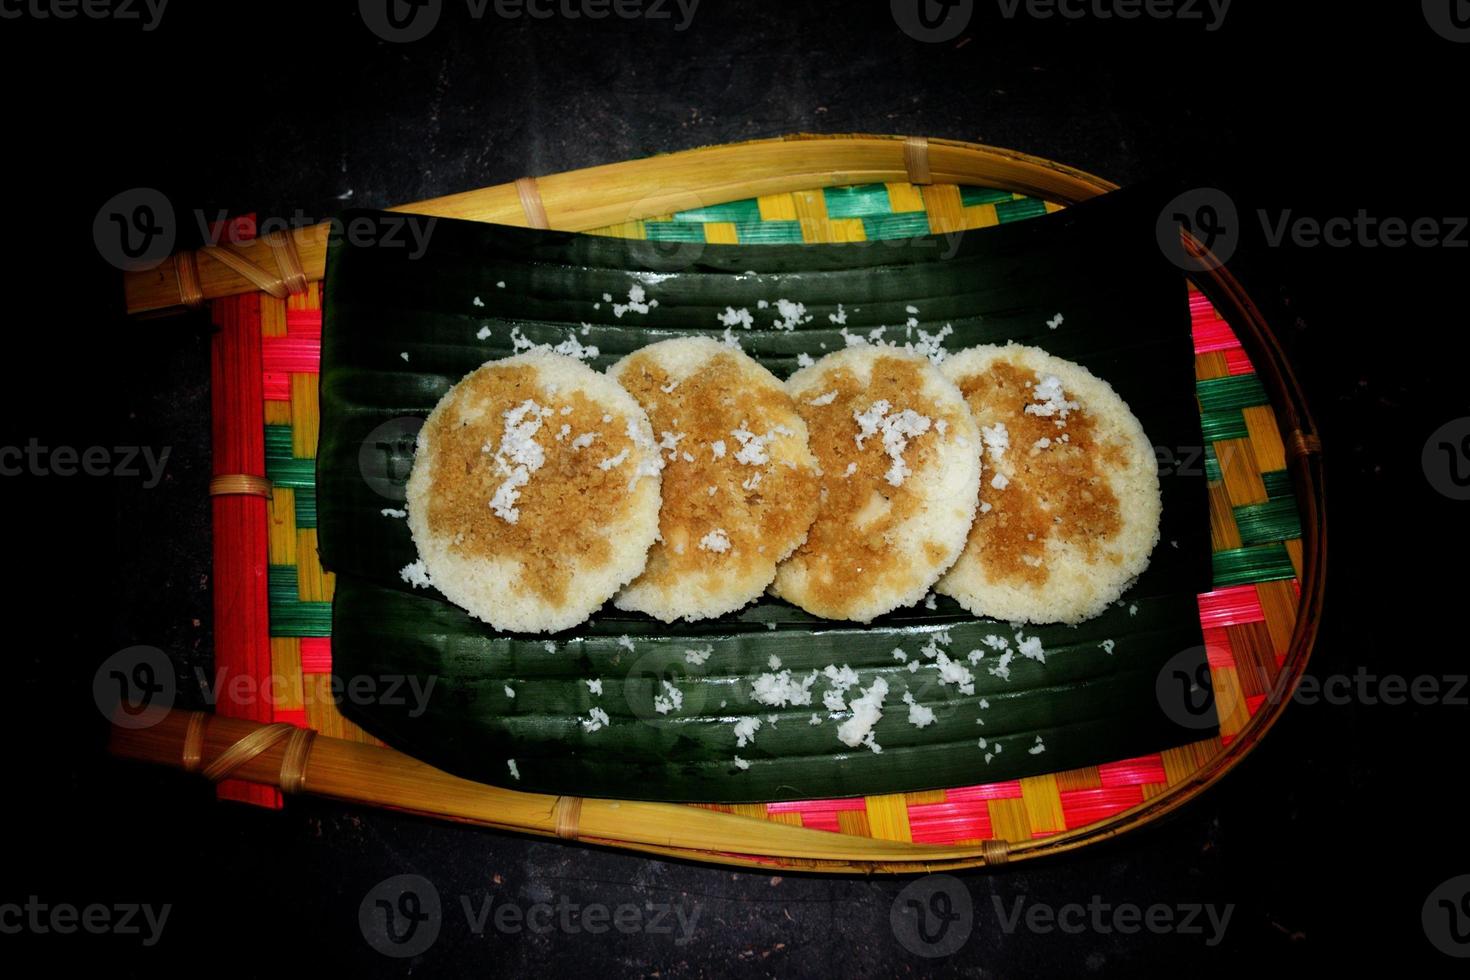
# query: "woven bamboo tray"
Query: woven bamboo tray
273,599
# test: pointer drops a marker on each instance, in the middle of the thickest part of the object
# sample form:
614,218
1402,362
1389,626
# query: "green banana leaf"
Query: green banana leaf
403,324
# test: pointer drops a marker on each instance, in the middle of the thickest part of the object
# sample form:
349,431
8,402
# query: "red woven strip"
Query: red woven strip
1081,807
293,354
1236,362
316,655
943,823
821,820
1231,607
277,386
1211,332
986,791
307,323
1253,703
1132,772
1218,650
294,716
241,603
807,806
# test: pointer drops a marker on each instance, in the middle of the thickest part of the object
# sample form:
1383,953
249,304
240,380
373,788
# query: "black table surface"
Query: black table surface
1322,848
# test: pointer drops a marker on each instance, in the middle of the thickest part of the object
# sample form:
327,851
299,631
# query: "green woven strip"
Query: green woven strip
673,231
1026,207
289,615
1278,485
1237,392
907,224
1212,464
972,196
736,211
1262,563
306,506
769,232
1275,520
862,201
278,442
1227,424
294,473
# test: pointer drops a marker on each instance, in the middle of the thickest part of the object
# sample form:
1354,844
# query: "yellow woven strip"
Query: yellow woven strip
1052,207
286,686
625,229
1279,603
272,316
1210,364
1043,803
305,417
1294,552
1260,422
756,811
1150,790
1240,472
786,817
924,796
1224,535
281,530
1008,819
904,197
811,212
312,584
981,216
721,233
277,413
853,822
1229,700
321,710
946,210
1179,764
888,817
776,207
1085,778
848,230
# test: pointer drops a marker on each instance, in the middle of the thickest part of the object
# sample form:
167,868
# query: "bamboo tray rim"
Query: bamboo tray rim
569,201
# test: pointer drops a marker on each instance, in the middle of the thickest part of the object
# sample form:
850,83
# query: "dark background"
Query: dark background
1327,840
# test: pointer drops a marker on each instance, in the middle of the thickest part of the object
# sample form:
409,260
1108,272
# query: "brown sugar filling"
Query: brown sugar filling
849,553
762,518
1057,493
567,505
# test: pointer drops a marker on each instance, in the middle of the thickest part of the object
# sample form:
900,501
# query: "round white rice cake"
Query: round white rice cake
900,478
1073,516
534,493
739,481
